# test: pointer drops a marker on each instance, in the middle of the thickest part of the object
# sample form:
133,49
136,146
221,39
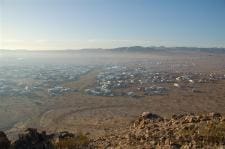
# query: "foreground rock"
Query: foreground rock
150,130
180,131
4,142
33,139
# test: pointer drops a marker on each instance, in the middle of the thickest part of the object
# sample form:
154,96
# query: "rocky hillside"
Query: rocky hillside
148,131
180,131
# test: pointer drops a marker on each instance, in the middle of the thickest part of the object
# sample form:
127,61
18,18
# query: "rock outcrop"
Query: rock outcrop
180,131
33,139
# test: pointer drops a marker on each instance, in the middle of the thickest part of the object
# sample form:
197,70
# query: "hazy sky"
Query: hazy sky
74,24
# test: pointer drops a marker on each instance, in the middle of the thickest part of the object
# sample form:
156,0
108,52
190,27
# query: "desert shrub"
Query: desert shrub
214,133
77,142
205,133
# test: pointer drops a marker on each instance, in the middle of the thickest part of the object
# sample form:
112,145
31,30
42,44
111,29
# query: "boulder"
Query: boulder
151,116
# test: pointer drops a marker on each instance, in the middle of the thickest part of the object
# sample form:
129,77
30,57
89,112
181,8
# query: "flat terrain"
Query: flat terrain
98,115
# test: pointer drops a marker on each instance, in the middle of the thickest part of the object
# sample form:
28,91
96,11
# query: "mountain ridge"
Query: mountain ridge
131,49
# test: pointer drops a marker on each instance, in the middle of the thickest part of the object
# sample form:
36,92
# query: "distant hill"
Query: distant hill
141,49
167,49
133,49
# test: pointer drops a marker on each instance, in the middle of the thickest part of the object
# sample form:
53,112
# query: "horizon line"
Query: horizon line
74,49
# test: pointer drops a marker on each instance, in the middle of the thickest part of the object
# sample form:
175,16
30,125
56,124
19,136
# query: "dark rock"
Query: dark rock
33,140
4,141
175,146
151,116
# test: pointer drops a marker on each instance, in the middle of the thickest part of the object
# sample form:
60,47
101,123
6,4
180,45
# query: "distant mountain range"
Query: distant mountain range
138,49
158,49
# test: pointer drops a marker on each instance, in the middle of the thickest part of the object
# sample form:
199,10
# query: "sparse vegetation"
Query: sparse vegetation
78,142
204,133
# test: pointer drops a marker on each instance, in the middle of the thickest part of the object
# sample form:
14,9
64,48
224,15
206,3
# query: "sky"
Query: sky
76,24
